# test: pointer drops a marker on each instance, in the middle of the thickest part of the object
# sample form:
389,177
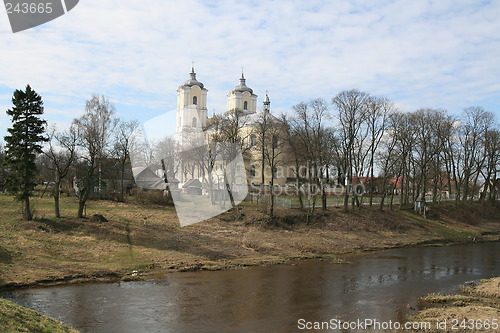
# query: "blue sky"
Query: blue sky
441,54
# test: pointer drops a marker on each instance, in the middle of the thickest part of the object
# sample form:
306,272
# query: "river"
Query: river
383,285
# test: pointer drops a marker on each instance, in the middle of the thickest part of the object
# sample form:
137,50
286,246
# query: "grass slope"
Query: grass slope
15,318
144,238
477,308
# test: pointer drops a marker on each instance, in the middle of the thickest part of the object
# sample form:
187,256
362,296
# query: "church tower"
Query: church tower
241,98
267,104
191,108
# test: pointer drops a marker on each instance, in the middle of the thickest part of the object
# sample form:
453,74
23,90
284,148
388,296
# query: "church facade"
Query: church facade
192,121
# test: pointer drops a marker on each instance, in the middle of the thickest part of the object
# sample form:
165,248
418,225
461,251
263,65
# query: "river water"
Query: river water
383,285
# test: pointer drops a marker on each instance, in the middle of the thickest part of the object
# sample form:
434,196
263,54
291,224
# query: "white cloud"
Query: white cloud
417,53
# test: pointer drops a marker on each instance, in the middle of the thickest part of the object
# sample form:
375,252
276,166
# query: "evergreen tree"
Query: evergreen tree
24,143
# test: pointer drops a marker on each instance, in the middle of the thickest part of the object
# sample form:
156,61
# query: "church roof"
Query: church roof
192,81
255,118
242,87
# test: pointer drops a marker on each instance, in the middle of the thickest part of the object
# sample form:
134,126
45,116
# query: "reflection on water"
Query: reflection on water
381,285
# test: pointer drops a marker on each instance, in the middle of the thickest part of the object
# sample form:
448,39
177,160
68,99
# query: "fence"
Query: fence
292,201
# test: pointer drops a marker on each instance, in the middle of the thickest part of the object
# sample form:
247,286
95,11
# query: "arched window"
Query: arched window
194,122
275,172
195,100
253,140
252,171
245,105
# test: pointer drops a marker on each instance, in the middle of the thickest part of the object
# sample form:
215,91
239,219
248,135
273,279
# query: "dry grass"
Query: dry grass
15,318
477,306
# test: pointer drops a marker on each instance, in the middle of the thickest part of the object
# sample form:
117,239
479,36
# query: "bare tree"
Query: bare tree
492,151
472,133
232,142
425,147
61,152
94,130
378,110
321,154
273,150
293,150
167,150
351,113
388,156
263,126
123,140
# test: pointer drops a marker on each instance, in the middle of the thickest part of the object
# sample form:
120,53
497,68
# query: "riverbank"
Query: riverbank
138,240
476,308
15,318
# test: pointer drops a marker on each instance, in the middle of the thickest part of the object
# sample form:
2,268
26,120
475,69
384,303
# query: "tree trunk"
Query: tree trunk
299,192
323,197
57,194
383,194
56,206
81,207
229,191
27,210
271,205
391,203
122,190
346,195
371,177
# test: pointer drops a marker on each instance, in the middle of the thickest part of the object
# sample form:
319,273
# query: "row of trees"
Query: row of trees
78,154
357,138
352,139
421,152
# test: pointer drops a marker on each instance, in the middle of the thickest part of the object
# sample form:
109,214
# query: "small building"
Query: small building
193,187
146,178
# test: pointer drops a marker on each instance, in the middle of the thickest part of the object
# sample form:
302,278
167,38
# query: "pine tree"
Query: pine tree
24,143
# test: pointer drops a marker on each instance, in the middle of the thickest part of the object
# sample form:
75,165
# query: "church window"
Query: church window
253,140
245,105
195,100
194,123
252,171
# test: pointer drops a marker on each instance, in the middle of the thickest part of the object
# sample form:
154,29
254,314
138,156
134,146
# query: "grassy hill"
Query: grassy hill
15,318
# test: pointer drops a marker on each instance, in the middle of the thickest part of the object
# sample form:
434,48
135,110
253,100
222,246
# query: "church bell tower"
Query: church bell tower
192,110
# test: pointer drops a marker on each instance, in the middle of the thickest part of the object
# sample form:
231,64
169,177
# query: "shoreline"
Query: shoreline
112,277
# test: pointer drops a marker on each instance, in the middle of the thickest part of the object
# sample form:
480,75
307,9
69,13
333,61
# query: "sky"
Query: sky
440,54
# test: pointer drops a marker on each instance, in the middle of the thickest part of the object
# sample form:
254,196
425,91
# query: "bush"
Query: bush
157,197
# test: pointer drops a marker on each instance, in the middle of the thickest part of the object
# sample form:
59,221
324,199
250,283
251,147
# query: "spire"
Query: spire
192,74
267,104
242,79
